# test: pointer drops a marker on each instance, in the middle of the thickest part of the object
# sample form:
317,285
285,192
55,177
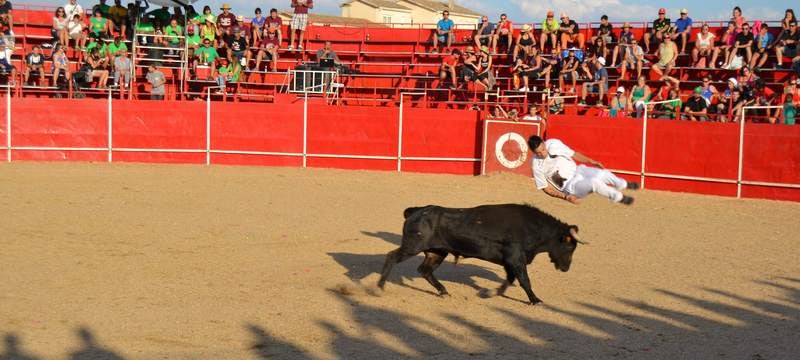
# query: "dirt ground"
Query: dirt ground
189,262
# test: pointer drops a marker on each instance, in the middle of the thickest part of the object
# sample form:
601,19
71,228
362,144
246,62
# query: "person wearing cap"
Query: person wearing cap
525,42
206,55
695,108
570,33
299,21
704,48
504,31
550,29
667,54
443,32
599,83
225,20
683,29
660,30
625,39
485,34
786,45
208,30
633,59
619,103
604,31
448,68
268,48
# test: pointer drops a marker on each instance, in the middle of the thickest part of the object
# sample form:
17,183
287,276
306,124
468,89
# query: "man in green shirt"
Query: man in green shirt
113,49
550,29
206,55
103,8
173,32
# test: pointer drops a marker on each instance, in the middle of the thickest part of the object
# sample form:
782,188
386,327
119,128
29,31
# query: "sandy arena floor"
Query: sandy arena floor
189,262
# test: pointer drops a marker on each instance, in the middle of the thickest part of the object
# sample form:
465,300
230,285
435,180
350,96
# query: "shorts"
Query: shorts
790,51
443,38
299,22
6,67
595,89
482,76
238,54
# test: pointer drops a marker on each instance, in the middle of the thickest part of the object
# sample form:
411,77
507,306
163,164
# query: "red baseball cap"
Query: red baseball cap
662,11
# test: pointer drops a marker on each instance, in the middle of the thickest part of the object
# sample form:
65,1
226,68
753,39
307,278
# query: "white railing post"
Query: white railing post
110,124
305,130
8,123
741,157
208,126
644,145
400,128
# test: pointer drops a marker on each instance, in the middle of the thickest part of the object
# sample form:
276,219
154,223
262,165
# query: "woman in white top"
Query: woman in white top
60,34
75,32
704,47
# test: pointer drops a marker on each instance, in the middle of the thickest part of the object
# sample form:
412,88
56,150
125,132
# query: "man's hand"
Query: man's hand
573,199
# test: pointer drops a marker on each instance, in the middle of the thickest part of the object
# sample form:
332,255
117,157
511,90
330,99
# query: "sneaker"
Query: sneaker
582,103
435,51
627,200
632,185
291,48
299,48
523,89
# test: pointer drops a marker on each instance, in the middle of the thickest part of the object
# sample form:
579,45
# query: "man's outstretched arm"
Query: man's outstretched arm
585,159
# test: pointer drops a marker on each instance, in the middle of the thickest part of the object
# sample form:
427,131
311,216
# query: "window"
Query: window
387,19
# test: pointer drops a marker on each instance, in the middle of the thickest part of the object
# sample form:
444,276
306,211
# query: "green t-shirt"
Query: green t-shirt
97,25
114,49
94,44
177,31
201,18
789,112
672,107
206,54
193,40
145,27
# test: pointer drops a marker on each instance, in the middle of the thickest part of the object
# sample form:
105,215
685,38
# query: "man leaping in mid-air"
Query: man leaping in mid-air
556,173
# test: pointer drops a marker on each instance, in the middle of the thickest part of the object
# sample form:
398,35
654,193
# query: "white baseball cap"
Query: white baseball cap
621,90
601,60
734,81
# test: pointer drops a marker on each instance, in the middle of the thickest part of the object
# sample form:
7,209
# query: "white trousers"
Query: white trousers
590,179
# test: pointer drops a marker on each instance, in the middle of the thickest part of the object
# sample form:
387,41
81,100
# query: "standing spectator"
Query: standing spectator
257,26
34,64
72,8
570,32
98,25
667,53
604,31
625,40
268,47
103,7
696,108
550,29
485,34
444,32
299,21
59,32
504,32
683,29
60,64
639,96
788,19
448,68
7,21
742,47
226,20
75,29
119,17
525,42
619,103
98,67
761,46
206,55
787,44
633,59
275,22
569,70
704,48
737,18
122,70
157,80
789,110
160,15
599,83
659,32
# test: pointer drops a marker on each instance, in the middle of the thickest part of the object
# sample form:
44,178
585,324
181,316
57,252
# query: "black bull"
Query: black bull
510,235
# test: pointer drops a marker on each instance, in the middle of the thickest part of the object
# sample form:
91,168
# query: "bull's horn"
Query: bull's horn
576,238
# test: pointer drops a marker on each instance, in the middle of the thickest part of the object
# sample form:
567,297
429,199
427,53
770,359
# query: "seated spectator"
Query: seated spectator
208,31
599,83
60,64
98,67
448,68
157,81
6,21
789,110
569,70
326,52
470,64
550,27
443,32
619,103
696,108
238,46
119,18
99,26
525,42
727,41
742,48
727,99
669,110
485,34
555,102
299,21
75,31
114,49
34,64
257,26
240,26
747,81
761,46
206,55
201,18
59,31
103,7
570,33
625,40
683,30
268,48
122,70
670,83
788,19
787,44
704,48
531,68
639,96
228,73
762,96
504,31
533,115
482,68
192,37
173,34
708,91
667,54
633,59
225,20
275,22
660,30
598,47
604,31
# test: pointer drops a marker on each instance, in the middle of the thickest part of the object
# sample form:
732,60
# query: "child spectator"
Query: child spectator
448,68
683,29
299,21
485,34
444,32
34,64
660,30
75,30
704,48
122,70
257,26
157,80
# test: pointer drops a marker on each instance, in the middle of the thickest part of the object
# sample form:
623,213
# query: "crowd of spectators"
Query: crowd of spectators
222,45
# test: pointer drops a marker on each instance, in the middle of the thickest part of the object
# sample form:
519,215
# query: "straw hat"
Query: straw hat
240,18
526,28
225,6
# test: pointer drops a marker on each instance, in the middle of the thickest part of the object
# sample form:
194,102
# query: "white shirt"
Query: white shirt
72,10
532,118
559,162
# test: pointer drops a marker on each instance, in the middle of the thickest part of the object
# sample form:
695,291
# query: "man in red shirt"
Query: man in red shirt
449,64
225,20
269,48
299,21
504,32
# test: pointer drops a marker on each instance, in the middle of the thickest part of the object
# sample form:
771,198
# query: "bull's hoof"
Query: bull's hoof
444,294
381,284
534,302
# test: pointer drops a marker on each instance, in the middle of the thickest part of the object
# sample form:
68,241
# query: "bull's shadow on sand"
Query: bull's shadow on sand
360,266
